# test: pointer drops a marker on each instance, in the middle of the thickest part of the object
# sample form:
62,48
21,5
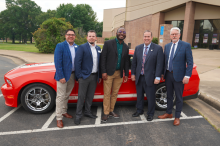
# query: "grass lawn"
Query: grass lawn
22,47
19,47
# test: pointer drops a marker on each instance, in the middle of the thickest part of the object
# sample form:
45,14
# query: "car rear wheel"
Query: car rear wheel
161,97
38,98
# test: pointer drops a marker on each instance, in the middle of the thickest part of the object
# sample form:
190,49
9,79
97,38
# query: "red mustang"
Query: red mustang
33,86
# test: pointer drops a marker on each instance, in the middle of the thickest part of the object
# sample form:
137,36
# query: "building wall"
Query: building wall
108,20
135,30
175,14
203,11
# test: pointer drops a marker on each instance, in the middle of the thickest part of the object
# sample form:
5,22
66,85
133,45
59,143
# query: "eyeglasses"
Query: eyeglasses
124,32
174,34
71,35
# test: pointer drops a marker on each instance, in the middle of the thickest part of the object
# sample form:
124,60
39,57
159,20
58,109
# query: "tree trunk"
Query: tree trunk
6,40
31,40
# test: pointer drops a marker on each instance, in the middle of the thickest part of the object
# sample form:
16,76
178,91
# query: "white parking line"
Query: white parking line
182,114
99,114
93,126
45,126
143,118
1,95
9,113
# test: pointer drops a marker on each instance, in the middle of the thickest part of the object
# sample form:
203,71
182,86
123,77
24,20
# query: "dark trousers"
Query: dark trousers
142,87
178,87
86,92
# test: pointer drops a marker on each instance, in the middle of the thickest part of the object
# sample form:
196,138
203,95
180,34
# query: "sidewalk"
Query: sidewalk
207,61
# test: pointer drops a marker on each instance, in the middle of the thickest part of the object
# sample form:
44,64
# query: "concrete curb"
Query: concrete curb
210,100
22,60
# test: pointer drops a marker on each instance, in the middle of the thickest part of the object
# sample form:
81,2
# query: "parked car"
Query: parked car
33,85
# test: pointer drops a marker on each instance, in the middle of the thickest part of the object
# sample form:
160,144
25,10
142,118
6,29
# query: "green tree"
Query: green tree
81,15
44,16
99,28
21,19
50,33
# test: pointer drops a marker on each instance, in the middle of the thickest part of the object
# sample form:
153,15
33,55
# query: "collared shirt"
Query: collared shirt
95,58
72,50
119,49
176,44
148,47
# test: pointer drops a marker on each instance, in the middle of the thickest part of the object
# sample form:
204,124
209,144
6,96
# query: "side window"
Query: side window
130,60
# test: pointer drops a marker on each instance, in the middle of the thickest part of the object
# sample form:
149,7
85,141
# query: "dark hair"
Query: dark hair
91,31
120,28
69,30
148,31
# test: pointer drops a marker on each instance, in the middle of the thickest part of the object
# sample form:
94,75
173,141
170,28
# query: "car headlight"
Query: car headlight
9,82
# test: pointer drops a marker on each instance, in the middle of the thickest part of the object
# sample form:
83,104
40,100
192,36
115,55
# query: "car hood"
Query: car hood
30,69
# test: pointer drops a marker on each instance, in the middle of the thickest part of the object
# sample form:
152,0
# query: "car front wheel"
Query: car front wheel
38,98
161,97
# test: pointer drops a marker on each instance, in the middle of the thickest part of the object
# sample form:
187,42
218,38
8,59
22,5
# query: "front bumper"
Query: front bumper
10,95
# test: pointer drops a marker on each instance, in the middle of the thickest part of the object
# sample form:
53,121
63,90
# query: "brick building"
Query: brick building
199,21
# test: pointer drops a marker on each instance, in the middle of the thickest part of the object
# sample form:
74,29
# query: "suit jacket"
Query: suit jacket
153,65
109,58
84,61
182,56
63,61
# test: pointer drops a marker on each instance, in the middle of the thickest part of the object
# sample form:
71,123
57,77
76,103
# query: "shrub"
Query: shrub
106,39
113,37
51,32
155,40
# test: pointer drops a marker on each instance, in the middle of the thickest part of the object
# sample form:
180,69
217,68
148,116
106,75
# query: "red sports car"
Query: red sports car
33,85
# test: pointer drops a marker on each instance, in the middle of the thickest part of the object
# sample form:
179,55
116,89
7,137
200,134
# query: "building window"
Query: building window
207,33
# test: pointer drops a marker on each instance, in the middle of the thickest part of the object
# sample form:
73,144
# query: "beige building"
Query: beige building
199,21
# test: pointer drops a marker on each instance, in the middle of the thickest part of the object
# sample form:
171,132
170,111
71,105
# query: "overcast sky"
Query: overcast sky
97,5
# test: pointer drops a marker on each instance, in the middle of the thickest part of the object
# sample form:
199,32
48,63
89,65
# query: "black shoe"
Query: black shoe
77,121
136,114
149,118
91,116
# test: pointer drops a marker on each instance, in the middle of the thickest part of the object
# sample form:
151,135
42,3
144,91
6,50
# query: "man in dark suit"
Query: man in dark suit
146,70
64,57
114,61
178,54
88,74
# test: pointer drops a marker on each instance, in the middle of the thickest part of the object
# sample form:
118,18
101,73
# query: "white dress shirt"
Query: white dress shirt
95,58
72,50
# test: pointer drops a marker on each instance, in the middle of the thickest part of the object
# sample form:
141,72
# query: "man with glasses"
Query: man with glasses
177,71
88,74
64,57
114,61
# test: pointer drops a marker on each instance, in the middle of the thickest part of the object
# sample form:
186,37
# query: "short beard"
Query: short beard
91,42
120,39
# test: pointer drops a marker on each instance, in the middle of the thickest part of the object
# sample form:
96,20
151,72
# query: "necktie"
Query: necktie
171,59
144,57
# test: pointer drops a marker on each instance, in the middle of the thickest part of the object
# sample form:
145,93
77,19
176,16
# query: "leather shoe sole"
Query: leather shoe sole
164,116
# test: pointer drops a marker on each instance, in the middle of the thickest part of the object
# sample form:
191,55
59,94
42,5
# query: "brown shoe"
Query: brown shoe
164,116
105,118
60,123
114,115
67,116
176,122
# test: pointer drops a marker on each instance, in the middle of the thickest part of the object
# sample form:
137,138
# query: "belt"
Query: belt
72,72
170,71
94,73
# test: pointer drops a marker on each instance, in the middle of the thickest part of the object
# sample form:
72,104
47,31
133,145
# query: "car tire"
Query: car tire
38,98
161,97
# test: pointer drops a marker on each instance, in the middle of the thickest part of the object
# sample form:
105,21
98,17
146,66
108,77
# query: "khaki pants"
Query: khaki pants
113,83
63,92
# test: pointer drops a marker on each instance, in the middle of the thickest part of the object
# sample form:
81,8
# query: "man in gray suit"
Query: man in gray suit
147,66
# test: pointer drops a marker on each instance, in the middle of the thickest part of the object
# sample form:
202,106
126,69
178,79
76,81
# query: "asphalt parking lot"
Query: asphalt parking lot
19,127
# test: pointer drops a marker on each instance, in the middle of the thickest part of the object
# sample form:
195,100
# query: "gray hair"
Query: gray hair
148,31
175,28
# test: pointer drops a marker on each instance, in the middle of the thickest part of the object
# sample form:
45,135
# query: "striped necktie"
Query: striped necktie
171,59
